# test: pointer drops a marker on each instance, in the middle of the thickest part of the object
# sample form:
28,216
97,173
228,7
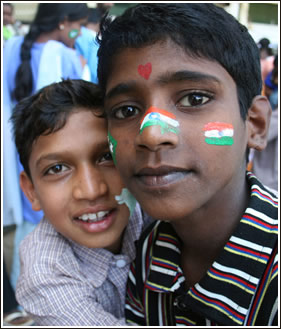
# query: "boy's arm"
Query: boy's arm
62,301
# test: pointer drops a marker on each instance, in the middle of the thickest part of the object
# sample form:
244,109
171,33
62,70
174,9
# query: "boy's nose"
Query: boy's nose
89,184
154,138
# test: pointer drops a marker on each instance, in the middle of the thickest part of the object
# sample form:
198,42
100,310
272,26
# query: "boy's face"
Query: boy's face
175,124
75,183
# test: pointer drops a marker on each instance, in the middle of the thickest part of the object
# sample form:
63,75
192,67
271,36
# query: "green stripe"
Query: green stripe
164,126
225,140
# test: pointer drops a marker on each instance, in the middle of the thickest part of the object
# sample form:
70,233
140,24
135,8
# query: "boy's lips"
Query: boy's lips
93,214
97,225
160,176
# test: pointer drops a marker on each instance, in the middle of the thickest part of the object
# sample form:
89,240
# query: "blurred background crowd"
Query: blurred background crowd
30,61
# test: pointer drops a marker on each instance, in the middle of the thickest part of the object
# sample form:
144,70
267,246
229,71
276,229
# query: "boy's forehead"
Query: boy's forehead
160,61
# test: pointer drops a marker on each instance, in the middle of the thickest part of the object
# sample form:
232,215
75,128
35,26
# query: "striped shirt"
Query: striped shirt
240,288
65,284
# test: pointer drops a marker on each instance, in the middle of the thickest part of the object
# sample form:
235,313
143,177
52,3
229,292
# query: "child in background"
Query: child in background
182,90
76,261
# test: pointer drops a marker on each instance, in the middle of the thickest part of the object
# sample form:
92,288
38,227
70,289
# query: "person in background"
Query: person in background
271,85
45,55
94,20
265,163
8,21
86,44
266,57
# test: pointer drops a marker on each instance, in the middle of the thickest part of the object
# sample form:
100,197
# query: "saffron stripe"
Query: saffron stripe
155,109
217,126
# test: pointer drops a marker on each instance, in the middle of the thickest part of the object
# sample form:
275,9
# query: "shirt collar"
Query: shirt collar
253,239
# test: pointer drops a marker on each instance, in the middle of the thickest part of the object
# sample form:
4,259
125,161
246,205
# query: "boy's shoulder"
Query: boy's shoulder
44,242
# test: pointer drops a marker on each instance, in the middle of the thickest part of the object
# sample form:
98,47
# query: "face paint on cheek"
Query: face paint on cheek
218,133
145,70
157,117
73,33
127,198
112,146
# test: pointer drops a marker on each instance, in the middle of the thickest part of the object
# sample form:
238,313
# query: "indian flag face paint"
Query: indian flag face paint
127,198
112,146
73,33
157,117
218,133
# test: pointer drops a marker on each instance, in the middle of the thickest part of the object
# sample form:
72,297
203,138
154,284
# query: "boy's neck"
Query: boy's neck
205,233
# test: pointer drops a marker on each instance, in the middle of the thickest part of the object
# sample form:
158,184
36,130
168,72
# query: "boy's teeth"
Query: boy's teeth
93,216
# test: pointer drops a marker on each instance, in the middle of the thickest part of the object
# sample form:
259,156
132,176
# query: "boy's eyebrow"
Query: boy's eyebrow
49,156
121,88
167,77
57,156
184,75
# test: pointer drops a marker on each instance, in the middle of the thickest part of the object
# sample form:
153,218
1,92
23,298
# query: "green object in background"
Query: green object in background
73,33
7,34
119,8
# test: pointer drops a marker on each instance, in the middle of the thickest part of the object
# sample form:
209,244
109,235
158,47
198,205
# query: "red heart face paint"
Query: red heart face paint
145,70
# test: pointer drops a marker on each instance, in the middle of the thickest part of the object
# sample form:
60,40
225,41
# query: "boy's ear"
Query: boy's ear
257,121
29,191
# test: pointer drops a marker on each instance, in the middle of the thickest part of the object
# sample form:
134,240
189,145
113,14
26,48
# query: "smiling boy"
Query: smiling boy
75,263
182,96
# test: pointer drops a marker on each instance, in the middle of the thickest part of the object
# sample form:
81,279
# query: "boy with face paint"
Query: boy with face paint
182,98
76,261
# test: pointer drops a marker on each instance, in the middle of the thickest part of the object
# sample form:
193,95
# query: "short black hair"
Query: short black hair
47,111
201,29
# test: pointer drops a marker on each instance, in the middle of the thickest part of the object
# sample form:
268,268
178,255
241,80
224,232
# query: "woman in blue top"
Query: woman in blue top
45,55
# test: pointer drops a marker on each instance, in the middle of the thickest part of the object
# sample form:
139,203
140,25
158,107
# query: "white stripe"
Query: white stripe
262,216
163,118
128,307
177,283
251,245
222,298
167,245
132,278
265,193
236,272
160,310
163,270
219,133
144,249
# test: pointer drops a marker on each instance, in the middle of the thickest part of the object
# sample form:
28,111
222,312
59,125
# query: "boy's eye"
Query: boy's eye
106,157
56,169
125,112
194,99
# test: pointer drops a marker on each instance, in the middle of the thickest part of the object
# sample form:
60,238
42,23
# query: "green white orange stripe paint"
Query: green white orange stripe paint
157,117
218,133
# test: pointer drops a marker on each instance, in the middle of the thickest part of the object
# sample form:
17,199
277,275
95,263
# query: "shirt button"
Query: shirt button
180,303
120,263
